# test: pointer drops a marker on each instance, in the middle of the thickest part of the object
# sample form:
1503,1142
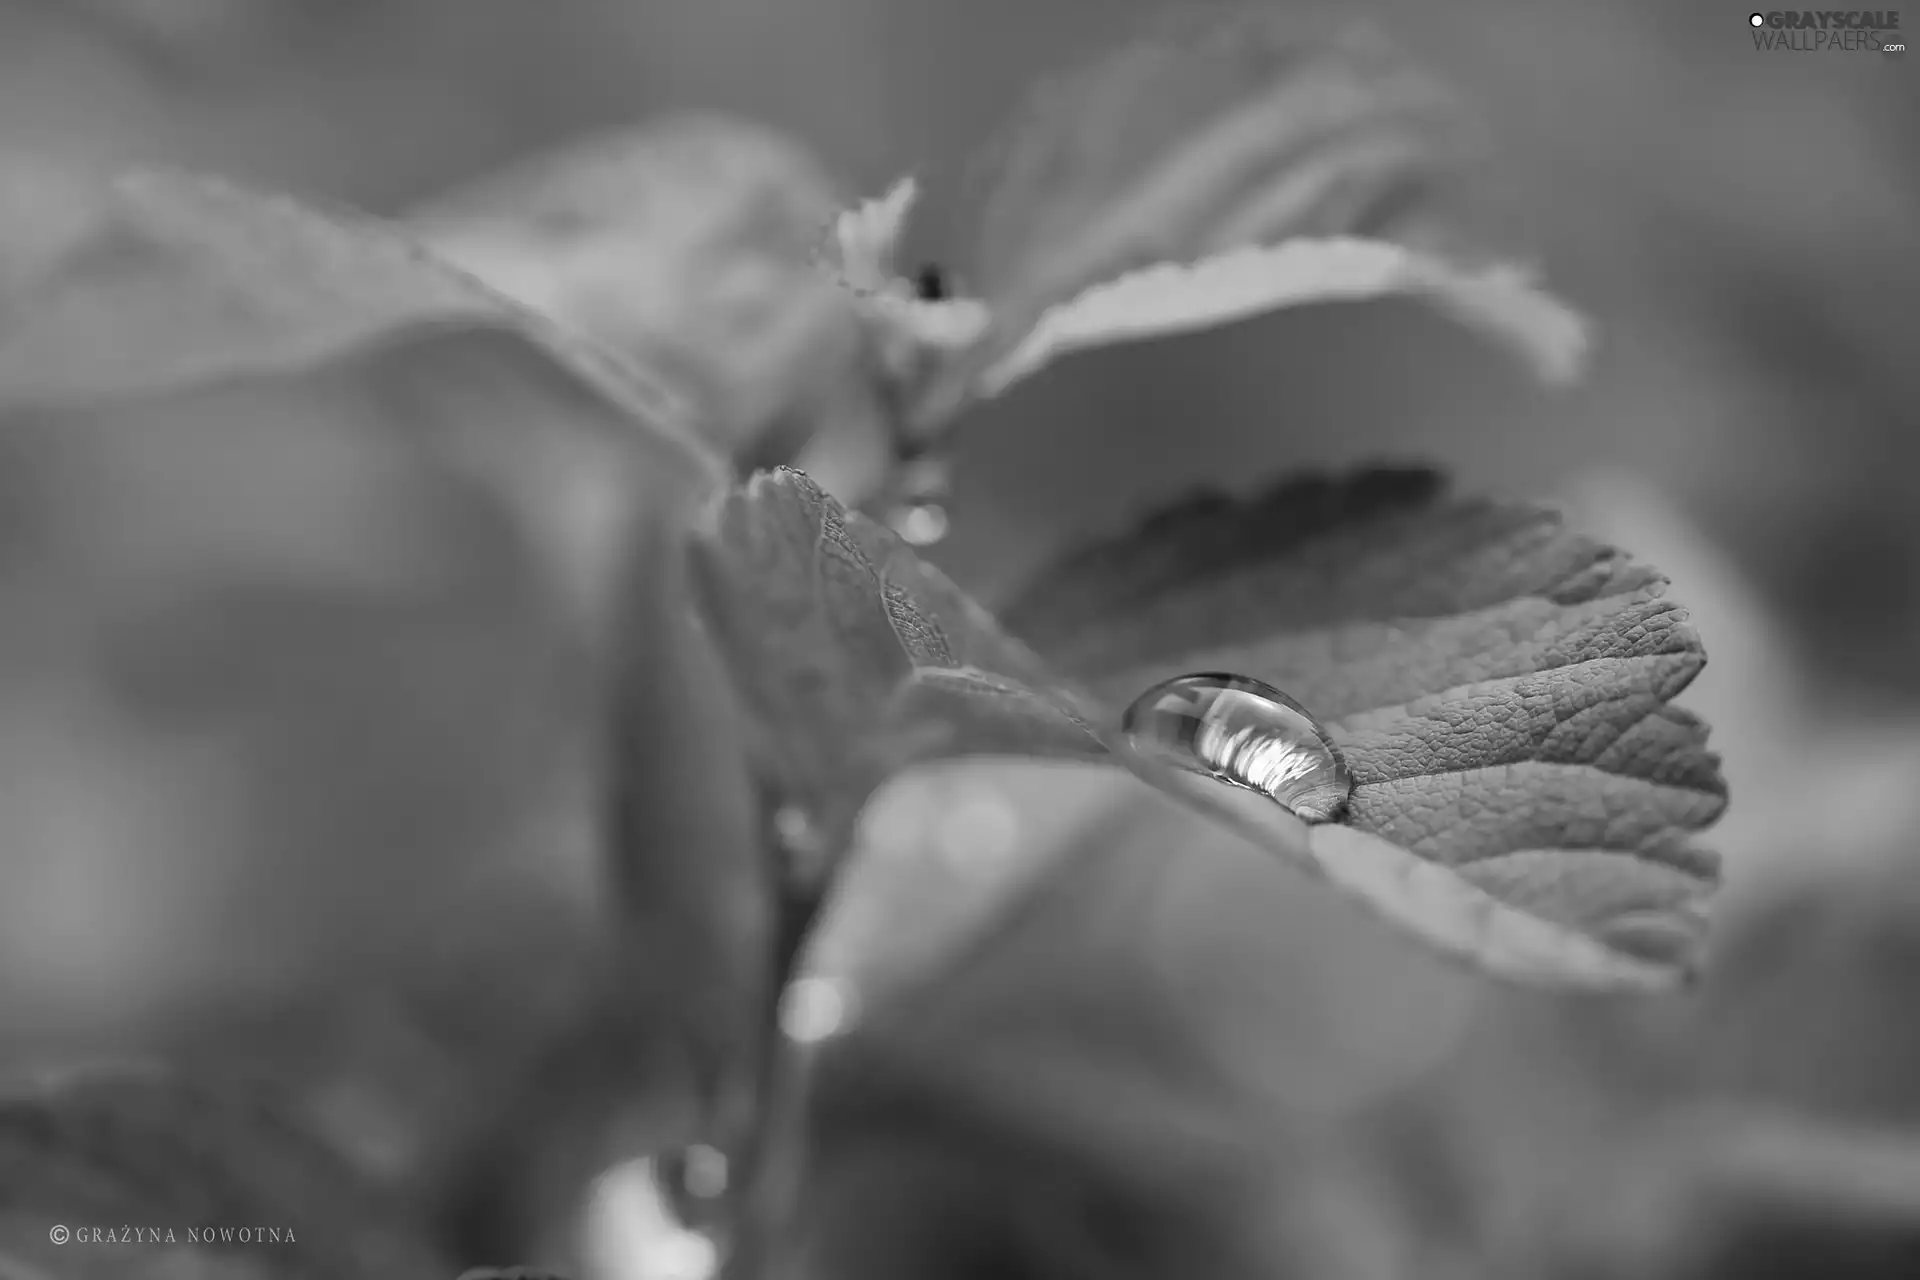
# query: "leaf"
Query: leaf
160,284
182,279
1246,282
476,700
869,235
115,1148
1218,130
1072,972
177,283
1382,592
1526,810
855,657
1227,127
686,243
942,854
1525,791
907,327
954,324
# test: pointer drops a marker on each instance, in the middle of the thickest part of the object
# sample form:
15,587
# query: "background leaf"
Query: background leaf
1501,688
1283,124
868,236
396,669
1234,285
1066,982
686,243
1219,128
180,278
176,282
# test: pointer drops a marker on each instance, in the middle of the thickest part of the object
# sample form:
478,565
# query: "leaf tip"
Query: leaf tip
868,235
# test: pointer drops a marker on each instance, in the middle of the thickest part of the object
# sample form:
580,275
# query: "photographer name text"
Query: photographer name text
60,1233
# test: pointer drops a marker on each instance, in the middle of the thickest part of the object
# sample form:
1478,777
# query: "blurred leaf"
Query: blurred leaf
868,236
476,702
1221,127
1240,283
1718,1186
1218,129
1071,980
687,244
182,278
1499,686
1811,983
941,854
175,282
118,1148
866,239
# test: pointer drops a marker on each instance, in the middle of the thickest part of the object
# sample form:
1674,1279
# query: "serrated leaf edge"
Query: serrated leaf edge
1390,882
1501,301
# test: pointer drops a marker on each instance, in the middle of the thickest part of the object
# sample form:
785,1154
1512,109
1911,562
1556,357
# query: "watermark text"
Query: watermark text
1827,30
127,1233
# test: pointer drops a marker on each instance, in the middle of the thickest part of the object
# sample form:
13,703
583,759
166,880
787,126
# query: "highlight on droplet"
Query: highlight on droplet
1244,733
814,1009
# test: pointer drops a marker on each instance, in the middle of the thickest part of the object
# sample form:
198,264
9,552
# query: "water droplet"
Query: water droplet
706,1173
796,830
922,523
801,845
919,490
812,1009
1245,733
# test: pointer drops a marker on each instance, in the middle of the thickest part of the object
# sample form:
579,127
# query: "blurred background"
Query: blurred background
278,714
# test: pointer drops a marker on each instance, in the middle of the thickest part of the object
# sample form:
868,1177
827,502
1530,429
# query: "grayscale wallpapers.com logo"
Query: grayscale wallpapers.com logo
1828,30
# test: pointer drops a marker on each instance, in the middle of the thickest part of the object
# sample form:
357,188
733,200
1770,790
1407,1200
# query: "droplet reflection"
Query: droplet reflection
796,831
918,513
1246,733
812,1009
920,523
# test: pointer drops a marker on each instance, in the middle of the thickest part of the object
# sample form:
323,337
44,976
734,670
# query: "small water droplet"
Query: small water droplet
796,829
812,1009
1246,733
707,1172
920,488
801,845
921,524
